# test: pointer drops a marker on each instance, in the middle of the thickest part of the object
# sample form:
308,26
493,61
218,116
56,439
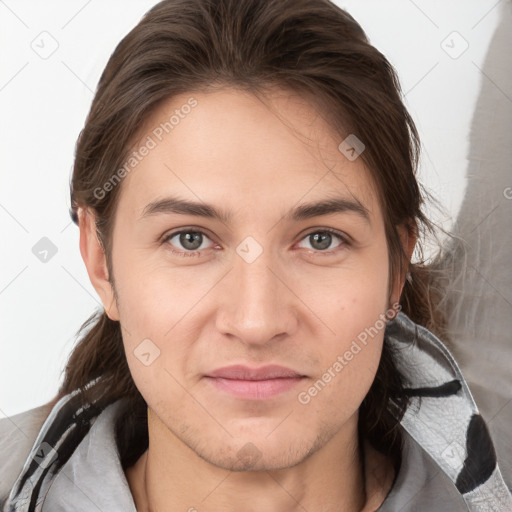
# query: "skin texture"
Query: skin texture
296,305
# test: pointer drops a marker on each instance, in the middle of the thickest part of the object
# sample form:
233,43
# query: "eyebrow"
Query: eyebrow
175,205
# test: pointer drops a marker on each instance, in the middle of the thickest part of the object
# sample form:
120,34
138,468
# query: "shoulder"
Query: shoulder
17,436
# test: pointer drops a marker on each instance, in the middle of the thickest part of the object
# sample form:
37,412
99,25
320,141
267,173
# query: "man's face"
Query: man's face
259,287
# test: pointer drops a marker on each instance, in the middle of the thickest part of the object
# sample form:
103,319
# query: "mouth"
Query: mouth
254,383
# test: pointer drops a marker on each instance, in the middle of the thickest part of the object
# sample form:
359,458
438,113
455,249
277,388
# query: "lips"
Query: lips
254,383
241,372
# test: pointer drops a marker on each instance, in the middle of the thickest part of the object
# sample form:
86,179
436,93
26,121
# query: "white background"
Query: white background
43,105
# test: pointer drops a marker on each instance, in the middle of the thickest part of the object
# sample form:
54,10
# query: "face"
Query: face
252,275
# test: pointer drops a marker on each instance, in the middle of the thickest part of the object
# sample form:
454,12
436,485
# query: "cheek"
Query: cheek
349,371
350,299
353,308
156,311
153,296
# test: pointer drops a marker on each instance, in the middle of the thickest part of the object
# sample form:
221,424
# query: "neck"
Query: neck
341,476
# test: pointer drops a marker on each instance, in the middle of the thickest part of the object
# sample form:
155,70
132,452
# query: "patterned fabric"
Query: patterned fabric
443,418
448,457
64,429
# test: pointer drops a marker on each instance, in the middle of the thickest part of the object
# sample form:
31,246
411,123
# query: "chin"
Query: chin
256,453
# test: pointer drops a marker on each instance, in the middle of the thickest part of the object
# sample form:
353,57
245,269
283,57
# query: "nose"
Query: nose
257,306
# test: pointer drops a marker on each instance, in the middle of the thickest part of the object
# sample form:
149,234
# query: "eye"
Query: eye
190,240
321,240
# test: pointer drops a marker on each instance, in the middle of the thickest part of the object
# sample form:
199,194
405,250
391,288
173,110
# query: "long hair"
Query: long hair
311,47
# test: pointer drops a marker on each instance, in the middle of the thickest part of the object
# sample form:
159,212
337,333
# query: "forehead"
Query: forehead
229,146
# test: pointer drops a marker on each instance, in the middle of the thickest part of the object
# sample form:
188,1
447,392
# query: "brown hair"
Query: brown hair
311,47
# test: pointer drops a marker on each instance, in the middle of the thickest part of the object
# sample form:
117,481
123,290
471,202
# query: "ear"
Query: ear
408,239
96,262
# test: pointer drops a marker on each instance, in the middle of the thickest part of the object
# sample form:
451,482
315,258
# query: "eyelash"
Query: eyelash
344,239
